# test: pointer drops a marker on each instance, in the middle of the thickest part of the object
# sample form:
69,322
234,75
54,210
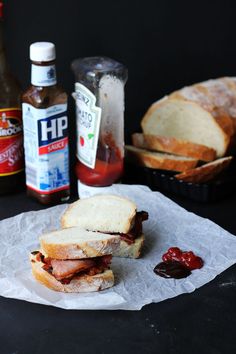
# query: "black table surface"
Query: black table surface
201,322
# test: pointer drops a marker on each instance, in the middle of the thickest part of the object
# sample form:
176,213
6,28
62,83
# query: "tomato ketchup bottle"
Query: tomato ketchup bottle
99,96
45,129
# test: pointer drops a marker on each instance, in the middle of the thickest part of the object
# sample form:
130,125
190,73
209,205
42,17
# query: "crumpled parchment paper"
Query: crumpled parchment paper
136,284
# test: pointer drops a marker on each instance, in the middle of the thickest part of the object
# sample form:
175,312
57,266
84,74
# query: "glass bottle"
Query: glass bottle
99,95
11,135
45,129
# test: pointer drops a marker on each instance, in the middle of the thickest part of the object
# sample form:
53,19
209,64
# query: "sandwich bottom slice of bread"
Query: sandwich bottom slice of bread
74,260
158,160
206,172
78,284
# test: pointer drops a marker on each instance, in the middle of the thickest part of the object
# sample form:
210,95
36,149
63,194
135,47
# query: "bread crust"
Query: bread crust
132,250
206,172
85,249
173,145
82,284
145,158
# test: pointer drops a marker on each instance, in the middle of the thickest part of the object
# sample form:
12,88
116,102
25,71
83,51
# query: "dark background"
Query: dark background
165,44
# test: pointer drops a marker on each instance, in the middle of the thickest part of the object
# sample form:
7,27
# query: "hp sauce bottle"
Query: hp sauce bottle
45,129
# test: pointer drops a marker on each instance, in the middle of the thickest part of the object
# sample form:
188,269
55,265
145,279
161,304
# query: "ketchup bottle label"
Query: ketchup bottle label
11,141
46,148
88,119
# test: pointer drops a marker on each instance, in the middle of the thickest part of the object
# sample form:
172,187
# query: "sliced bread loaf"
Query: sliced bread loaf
185,120
203,113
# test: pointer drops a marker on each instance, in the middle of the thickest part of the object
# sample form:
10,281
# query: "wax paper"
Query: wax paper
135,282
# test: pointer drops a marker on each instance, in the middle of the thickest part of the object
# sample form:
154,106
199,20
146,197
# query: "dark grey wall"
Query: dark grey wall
164,43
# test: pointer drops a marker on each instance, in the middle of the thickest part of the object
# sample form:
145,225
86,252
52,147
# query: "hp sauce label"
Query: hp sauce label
46,148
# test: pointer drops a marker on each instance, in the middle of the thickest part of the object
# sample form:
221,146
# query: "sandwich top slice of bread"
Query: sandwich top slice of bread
77,243
206,172
104,213
79,283
158,160
173,146
111,214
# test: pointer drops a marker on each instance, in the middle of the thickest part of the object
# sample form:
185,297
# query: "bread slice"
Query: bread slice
105,213
173,145
132,250
77,243
177,117
159,160
206,172
79,284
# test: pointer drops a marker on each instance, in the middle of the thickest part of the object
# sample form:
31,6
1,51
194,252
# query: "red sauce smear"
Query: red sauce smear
178,264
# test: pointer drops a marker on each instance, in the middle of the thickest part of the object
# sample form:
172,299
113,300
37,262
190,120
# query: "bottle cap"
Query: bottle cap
1,9
42,51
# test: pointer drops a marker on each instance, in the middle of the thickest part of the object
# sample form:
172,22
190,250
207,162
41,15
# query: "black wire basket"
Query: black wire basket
164,181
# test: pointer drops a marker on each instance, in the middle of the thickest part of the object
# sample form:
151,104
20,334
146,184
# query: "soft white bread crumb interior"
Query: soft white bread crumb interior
106,213
132,250
76,243
185,120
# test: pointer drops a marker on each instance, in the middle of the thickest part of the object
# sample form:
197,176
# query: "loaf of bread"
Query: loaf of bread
203,113
173,146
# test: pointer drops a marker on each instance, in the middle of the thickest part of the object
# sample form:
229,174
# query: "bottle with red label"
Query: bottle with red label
99,96
11,136
45,129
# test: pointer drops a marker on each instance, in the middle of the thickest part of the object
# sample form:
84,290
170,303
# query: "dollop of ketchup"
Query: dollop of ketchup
109,164
178,264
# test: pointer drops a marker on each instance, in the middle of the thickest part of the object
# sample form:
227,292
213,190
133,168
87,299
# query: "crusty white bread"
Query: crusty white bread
204,113
174,146
105,213
77,243
217,97
186,120
132,250
159,160
79,284
206,172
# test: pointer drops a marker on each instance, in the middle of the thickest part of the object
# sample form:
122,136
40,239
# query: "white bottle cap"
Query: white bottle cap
42,51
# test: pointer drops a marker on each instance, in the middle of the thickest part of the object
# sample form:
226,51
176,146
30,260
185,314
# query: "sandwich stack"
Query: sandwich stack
77,258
